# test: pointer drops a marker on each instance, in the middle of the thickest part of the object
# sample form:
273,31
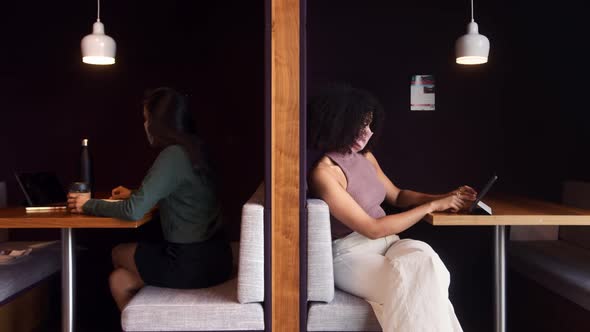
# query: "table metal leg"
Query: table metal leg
500,278
67,279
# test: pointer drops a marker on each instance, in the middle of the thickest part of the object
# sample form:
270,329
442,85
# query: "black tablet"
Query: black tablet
482,193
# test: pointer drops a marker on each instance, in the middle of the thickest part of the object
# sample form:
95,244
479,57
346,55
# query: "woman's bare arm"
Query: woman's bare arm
344,208
405,198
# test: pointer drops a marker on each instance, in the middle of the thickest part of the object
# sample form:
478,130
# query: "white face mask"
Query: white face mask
150,138
362,140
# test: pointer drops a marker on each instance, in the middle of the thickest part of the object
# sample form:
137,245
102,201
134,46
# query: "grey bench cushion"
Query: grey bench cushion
234,305
214,308
27,271
345,313
557,265
320,273
330,309
251,260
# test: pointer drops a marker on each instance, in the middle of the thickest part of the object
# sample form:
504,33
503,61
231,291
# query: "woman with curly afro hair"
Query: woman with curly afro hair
404,280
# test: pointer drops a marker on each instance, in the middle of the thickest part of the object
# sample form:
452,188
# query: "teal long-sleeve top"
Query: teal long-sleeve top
189,208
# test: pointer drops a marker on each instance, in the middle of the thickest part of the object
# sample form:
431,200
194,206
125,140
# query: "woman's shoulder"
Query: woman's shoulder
325,170
325,161
174,154
371,157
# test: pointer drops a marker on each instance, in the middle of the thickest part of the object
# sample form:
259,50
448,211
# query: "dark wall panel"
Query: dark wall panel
213,51
522,115
51,99
378,46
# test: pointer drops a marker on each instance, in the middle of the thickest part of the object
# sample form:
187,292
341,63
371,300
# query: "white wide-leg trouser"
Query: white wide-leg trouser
404,280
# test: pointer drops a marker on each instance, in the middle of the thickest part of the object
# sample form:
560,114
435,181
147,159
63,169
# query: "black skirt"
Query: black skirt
184,265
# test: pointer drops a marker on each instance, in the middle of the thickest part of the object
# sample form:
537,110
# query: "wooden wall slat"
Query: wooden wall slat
285,164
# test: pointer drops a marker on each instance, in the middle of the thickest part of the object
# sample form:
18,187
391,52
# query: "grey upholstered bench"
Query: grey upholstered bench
233,305
330,309
561,265
22,274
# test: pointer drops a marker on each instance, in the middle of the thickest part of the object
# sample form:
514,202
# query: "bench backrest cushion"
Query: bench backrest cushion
251,260
320,271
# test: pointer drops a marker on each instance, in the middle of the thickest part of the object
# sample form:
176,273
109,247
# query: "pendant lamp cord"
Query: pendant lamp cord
98,11
471,10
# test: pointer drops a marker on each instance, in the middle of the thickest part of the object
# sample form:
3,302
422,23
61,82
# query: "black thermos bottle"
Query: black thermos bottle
86,165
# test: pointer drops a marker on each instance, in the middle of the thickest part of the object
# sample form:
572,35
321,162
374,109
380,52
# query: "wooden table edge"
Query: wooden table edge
84,222
440,219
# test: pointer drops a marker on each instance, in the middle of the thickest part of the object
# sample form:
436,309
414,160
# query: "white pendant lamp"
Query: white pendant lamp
98,48
472,48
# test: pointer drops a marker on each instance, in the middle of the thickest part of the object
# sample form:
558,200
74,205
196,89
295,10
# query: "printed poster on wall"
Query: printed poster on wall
422,93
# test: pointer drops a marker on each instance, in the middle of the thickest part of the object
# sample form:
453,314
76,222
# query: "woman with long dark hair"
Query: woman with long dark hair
194,253
405,280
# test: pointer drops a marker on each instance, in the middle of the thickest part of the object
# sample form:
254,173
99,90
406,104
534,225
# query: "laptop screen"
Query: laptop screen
41,188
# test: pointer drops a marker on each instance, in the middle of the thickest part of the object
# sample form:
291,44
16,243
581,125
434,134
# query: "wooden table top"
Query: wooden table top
19,218
514,210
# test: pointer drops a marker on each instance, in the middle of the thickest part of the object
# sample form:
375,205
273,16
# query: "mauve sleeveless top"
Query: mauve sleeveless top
362,184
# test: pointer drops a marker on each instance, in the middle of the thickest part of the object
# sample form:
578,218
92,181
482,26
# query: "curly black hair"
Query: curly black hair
336,117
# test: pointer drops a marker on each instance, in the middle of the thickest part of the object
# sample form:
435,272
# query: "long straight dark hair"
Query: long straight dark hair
171,123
